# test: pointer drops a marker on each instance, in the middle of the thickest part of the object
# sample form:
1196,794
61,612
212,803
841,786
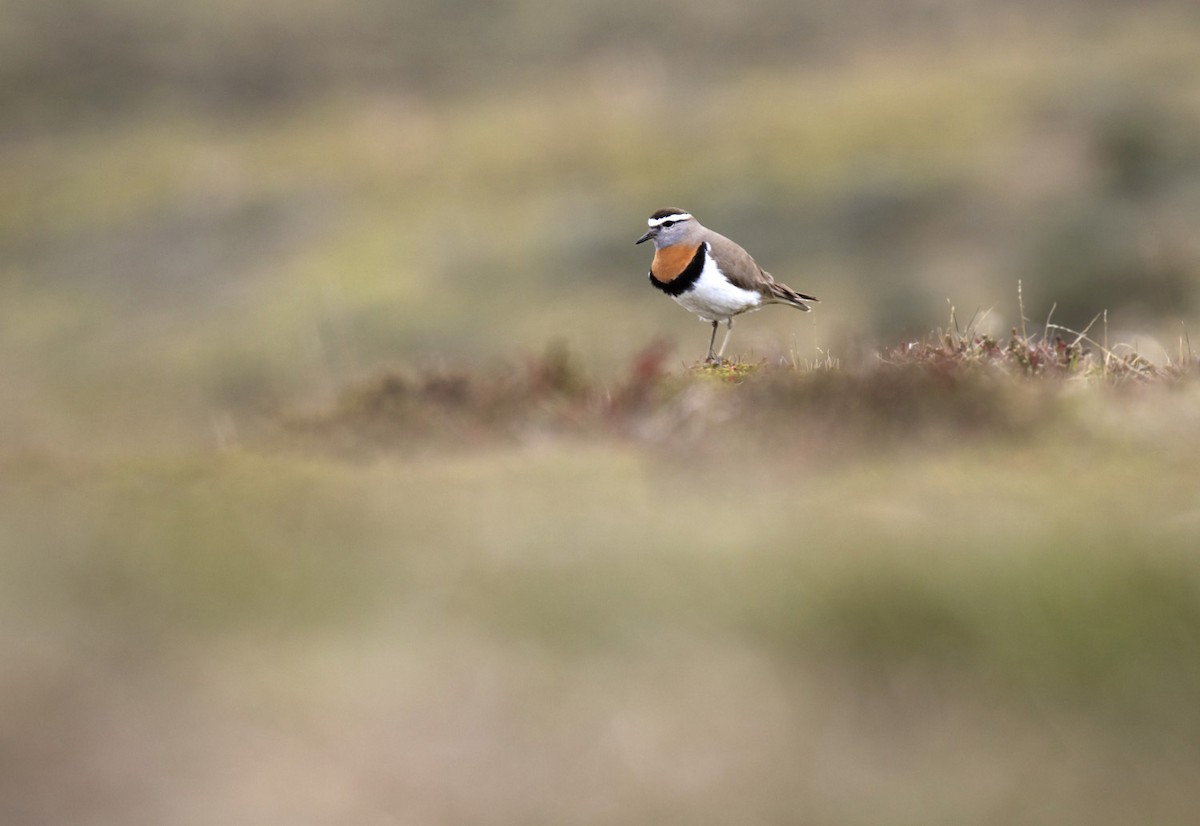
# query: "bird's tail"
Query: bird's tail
783,294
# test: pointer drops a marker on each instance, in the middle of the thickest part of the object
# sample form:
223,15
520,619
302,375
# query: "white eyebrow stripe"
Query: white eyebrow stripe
658,222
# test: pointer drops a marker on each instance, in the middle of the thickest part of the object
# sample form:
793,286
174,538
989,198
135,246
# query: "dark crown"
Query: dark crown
663,213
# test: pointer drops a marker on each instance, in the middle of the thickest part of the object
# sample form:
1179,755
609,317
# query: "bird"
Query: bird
710,275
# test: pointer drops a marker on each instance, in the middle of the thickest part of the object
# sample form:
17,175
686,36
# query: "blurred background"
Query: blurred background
209,208
216,212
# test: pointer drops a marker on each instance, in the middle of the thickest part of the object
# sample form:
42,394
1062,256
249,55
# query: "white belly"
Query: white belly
715,299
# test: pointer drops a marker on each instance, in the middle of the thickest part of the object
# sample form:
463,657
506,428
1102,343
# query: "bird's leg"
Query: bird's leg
728,333
710,358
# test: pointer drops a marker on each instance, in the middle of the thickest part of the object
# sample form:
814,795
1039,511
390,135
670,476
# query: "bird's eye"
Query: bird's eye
667,224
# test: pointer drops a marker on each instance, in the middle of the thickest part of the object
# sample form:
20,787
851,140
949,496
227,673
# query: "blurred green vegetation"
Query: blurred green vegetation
342,478
1003,627
231,207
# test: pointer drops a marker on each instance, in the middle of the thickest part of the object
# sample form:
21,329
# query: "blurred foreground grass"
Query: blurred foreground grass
736,596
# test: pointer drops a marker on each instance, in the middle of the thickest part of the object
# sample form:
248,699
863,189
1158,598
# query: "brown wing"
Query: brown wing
743,271
784,294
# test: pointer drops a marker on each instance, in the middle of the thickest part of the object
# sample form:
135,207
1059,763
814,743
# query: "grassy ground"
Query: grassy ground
948,589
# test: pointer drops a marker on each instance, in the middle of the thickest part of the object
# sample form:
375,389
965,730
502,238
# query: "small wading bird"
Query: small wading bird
710,275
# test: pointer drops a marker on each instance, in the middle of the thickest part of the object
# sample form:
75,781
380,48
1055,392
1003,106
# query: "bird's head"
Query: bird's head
669,227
